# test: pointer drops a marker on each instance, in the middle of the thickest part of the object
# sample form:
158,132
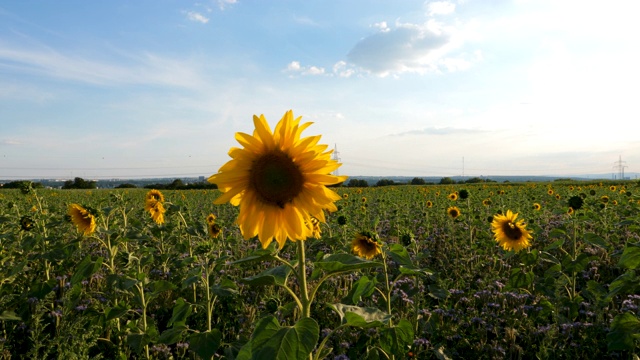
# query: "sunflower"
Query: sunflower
453,212
279,181
509,233
211,219
612,188
214,230
366,245
486,202
570,211
453,197
314,225
151,197
82,219
156,209
27,223
536,206
558,197
345,196
429,204
604,199
550,191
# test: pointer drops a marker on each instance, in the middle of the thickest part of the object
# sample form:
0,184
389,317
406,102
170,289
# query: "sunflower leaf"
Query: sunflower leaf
344,262
625,329
630,258
274,276
272,341
362,317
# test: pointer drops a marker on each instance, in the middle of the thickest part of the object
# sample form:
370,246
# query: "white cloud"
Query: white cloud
382,26
440,8
146,68
197,17
222,4
294,67
342,69
10,142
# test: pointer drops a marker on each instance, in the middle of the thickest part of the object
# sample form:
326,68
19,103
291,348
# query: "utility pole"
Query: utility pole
620,165
335,156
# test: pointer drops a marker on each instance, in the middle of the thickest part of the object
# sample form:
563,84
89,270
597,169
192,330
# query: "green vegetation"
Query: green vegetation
444,289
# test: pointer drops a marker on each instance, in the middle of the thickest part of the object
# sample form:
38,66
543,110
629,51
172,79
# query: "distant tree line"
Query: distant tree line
21,184
178,184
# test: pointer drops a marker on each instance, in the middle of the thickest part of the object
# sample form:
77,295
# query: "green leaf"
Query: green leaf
625,329
137,342
557,233
273,276
630,258
437,292
415,272
396,339
86,268
596,240
400,255
554,245
529,258
271,341
577,265
205,344
117,311
9,315
225,288
363,288
172,335
519,279
160,286
344,262
626,283
181,311
260,255
362,317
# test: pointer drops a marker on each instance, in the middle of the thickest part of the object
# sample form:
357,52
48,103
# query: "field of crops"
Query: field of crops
191,287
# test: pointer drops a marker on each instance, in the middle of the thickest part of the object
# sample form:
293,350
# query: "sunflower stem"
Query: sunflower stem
302,280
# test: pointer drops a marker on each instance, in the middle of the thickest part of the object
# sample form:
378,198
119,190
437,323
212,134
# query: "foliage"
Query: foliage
441,289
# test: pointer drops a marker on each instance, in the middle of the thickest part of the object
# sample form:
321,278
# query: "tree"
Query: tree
447,181
418,181
385,182
358,183
79,183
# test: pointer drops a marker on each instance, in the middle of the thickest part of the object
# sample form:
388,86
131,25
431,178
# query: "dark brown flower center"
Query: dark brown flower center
276,178
512,231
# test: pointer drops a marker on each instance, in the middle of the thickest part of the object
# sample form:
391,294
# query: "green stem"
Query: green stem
302,281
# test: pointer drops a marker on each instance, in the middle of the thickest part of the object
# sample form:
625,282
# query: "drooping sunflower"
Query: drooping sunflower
453,212
314,225
536,206
279,181
213,229
82,219
509,233
156,209
366,245
151,197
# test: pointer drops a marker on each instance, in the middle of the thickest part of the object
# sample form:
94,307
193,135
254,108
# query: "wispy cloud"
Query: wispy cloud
222,4
440,8
12,142
440,131
145,68
197,17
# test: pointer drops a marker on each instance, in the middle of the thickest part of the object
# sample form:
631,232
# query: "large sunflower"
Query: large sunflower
278,179
509,233
157,210
82,219
365,245
453,212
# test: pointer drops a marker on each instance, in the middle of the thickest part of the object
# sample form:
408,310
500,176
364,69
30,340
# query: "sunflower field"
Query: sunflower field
396,272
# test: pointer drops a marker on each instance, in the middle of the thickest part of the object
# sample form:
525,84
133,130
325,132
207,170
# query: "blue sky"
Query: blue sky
408,88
